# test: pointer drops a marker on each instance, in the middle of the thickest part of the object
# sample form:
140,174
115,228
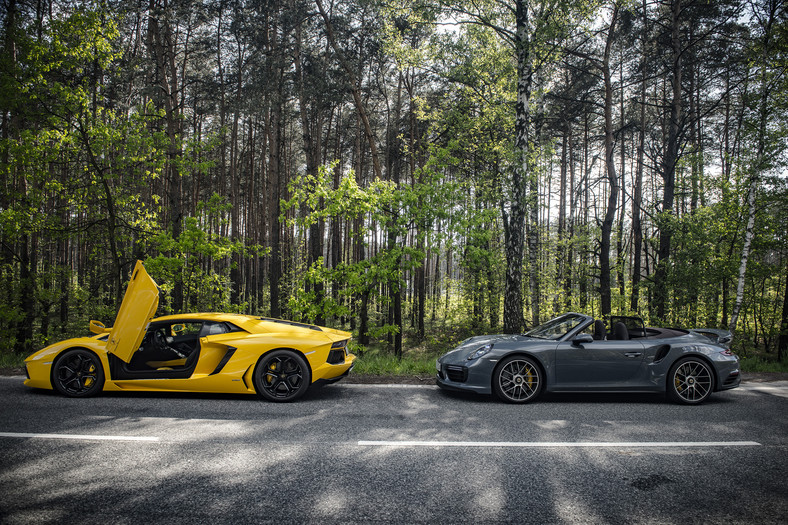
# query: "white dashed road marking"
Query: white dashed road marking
560,444
77,437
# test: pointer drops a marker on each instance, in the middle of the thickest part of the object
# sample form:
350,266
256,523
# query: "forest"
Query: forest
414,171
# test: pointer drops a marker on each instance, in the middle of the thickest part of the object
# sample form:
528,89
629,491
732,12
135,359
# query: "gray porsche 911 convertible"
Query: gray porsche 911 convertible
576,353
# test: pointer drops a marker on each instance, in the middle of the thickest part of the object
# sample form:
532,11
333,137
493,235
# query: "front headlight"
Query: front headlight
480,352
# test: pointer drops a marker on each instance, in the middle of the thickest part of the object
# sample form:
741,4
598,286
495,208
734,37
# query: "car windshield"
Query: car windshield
556,328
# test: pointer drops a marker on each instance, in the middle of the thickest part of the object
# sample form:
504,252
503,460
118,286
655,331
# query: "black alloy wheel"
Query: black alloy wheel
78,373
282,375
690,381
517,379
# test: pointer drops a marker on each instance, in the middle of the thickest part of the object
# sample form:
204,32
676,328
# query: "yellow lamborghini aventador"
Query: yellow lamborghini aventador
206,352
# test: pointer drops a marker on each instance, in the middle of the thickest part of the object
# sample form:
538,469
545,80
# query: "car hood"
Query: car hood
473,343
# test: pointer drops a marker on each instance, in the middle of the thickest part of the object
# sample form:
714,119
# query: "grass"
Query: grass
387,364
759,363
11,360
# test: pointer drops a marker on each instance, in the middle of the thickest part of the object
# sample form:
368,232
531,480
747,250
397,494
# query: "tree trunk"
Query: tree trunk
610,167
161,45
637,197
561,248
354,88
276,149
311,124
782,343
27,282
514,217
669,162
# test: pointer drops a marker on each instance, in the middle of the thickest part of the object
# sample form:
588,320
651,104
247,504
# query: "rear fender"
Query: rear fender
719,337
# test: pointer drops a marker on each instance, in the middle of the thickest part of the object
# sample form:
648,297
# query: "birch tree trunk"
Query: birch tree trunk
759,163
514,217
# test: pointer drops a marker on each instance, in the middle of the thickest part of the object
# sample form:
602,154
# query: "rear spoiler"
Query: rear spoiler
719,337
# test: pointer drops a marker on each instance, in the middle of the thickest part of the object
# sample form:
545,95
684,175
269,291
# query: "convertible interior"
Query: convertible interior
625,328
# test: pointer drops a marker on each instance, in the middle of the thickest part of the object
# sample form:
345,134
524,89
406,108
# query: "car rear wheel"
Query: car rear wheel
282,375
78,373
690,381
517,379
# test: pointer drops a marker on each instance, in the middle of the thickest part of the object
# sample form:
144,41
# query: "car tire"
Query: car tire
78,373
690,381
518,379
282,376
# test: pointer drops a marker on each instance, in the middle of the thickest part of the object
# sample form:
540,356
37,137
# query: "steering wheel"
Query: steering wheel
159,341
162,343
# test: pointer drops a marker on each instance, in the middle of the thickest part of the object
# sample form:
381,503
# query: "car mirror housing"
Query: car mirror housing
97,327
582,339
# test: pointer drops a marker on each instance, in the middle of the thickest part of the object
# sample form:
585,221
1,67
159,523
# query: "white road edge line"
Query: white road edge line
559,444
77,437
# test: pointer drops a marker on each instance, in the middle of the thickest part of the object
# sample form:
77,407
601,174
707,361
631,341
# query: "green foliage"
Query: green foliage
188,259
348,200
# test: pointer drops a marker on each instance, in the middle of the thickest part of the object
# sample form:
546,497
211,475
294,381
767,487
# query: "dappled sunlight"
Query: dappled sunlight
331,503
551,425
491,500
219,459
572,509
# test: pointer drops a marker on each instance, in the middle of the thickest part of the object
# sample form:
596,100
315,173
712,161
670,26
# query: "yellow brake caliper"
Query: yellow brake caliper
270,375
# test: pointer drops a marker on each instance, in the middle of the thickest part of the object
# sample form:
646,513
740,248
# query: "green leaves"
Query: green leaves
188,259
347,200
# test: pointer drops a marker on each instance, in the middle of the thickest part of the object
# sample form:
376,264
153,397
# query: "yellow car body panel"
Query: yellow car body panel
39,365
210,352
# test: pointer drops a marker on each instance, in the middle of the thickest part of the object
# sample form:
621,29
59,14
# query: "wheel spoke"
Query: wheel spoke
518,380
282,376
77,373
692,381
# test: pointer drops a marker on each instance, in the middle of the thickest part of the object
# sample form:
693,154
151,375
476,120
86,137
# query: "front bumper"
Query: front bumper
470,376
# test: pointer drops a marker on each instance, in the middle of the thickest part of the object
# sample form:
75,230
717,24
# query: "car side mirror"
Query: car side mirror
582,339
97,327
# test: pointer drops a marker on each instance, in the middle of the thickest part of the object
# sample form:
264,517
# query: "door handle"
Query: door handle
633,354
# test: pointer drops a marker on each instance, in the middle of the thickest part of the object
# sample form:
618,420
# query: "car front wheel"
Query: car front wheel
78,373
282,375
517,379
690,381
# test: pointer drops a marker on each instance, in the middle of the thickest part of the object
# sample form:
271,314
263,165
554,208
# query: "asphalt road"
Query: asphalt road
392,454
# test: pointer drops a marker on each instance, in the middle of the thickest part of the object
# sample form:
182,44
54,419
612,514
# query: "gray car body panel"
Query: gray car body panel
634,365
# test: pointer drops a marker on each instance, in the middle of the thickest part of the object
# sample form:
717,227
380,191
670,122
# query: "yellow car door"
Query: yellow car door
137,309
